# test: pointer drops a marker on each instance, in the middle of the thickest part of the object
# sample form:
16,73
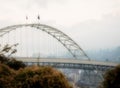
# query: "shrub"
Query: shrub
6,76
40,77
112,78
3,59
11,62
14,64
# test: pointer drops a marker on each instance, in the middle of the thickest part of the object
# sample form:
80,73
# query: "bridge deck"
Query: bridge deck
71,61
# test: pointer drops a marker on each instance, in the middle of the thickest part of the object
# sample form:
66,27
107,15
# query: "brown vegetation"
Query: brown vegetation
13,74
6,76
40,77
112,78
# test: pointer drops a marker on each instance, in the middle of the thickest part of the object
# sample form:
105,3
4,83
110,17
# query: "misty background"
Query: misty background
93,24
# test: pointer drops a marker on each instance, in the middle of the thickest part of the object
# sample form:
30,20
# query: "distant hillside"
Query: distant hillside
105,54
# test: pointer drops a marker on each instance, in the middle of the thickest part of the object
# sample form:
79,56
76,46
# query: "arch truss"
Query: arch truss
64,39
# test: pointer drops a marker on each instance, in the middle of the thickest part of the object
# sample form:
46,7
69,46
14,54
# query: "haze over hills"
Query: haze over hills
111,54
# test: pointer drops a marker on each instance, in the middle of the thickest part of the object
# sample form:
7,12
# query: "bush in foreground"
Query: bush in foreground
6,76
11,62
112,78
32,77
40,77
14,64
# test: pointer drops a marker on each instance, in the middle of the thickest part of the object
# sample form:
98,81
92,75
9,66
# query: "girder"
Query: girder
72,66
64,39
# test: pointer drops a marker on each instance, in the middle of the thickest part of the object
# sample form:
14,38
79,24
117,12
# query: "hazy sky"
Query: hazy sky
93,24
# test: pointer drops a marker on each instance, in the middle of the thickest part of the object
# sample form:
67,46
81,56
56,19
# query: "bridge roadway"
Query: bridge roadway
70,63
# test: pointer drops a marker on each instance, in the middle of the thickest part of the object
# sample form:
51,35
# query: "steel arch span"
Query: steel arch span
76,51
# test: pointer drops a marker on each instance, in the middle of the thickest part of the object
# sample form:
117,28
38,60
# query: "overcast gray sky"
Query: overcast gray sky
93,24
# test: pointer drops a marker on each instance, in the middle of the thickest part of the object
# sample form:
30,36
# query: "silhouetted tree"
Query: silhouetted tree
14,64
112,78
11,62
3,59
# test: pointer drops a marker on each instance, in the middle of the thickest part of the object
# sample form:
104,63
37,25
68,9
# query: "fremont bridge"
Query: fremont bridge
47,46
